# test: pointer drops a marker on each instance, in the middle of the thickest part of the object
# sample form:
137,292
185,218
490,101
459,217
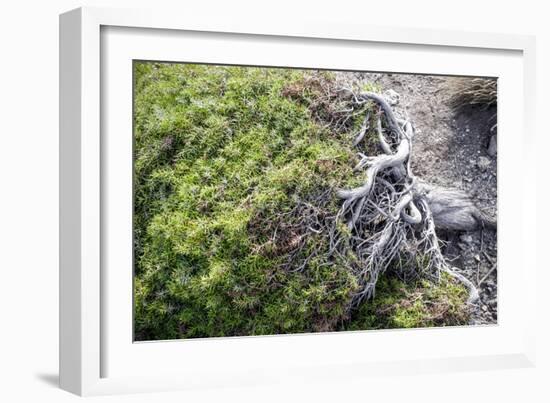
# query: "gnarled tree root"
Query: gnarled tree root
391,219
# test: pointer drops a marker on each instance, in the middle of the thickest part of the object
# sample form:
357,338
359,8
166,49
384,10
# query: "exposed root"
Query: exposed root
390,221
453,210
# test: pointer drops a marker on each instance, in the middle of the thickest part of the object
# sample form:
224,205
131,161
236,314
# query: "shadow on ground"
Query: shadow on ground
49,379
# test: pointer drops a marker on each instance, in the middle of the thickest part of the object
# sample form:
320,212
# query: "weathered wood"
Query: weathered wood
453,209
393,216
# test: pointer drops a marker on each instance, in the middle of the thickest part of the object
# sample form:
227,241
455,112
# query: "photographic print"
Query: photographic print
273,201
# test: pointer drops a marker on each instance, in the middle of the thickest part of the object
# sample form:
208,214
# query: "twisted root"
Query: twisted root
392,218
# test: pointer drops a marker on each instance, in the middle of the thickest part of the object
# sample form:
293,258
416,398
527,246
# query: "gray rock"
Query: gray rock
392,97
492,149
483,163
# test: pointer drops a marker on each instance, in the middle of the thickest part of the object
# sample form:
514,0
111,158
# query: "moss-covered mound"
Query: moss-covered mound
228,162
411,305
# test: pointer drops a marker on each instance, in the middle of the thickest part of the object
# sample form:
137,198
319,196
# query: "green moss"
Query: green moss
223,155
413,305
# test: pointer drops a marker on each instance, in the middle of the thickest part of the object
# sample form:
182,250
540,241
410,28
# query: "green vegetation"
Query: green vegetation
419,304
227,162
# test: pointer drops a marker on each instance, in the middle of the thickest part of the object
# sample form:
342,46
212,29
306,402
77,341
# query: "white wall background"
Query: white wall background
29,187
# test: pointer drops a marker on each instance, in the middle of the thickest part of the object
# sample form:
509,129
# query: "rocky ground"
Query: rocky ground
453,149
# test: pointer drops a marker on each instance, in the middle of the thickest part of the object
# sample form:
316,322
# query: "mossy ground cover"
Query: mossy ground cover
226,159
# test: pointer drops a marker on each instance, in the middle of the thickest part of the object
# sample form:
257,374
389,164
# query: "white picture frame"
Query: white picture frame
96,354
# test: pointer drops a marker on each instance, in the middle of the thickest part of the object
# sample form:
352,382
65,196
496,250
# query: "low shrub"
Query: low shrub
228,162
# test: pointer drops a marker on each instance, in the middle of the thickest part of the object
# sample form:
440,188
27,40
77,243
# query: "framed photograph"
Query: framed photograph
247,202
